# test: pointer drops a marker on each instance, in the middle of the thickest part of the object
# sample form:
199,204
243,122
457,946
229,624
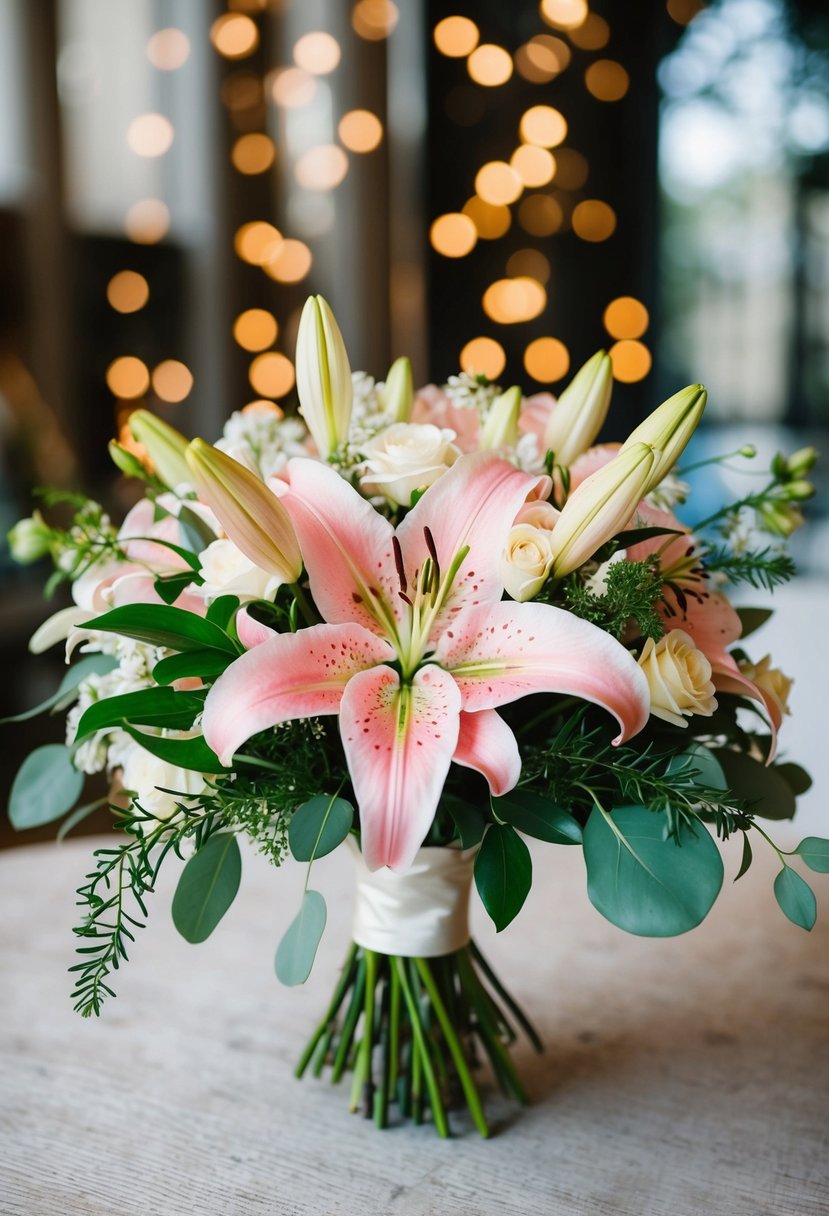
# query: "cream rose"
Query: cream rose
679,678
526,561
147,777
540,514
227,571
405,457
770,680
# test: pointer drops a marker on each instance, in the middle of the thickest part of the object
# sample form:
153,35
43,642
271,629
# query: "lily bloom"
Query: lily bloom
417,648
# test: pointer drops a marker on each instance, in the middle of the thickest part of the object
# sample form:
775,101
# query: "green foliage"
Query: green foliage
761,568
319,826
67,691
503,873
160,707
760,785
795,897
469,820
184,753
815,852
753,619
207,887
298,948
632,591
47,785
645,881
535,816
162,625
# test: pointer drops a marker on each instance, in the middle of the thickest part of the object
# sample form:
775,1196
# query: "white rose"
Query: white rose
405,457
147,776
679,678
526,561
227,571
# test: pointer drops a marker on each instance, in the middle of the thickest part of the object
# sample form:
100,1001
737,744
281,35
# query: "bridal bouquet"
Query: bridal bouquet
428,625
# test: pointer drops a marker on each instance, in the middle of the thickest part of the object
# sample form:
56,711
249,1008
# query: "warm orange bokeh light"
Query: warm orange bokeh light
255,329
483,357
290,263
360,131
509,301
491,220
542,58
594,220
456,37
293,88
684,11
147,221
607,80
150,135
257,242
321,168
626,317
535,166
128,291
543,125
168,49
454,235
631,361
592,34
253,153
540,215
547,360
234,35
271,374
374,20
172,381
571,169
567,14
489,65
317,53
529,263
498,183
128,377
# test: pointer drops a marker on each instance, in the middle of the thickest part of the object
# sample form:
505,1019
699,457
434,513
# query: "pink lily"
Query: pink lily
417,648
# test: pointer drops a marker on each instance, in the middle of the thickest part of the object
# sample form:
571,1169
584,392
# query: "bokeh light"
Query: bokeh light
168,49
128,377
530,263
150,135
172,381
271,374
483,357
593,220
607,80
255,329
535,166
374,20
454,235
497,182
566,14
234,35
626,317
489,65
456,37
491,220
509,301
360,131
592,34
147,221
547,360
542,58
317,53
293,88
257,242
571,169
289,263
540,215
631,361
253,153
321,168
128,291
684,11
543,125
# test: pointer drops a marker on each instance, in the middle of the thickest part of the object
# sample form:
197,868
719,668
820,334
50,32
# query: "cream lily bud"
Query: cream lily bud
250,513
580,411
398,391
526,561
601,506
29,539
668,430
779,518
323,376
165,446
500,430
801,462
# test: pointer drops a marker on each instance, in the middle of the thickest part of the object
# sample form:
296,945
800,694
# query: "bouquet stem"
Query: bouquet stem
411,1030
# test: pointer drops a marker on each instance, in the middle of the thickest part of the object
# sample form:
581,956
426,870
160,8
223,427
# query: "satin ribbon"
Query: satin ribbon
422,913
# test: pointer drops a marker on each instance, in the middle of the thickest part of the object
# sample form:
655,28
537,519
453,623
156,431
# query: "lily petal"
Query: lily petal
487,744
57,628
294,675
399,742
252,633
502,652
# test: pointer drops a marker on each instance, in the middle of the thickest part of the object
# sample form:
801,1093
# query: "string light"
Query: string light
456,37
594,220
374,20
567,14
128,377
543,125
535,166
607,80
491,220
483,357
454,235
321,168
147,221
317,53
255,329
168,49
257,242
360,131
234,35
150,135
509,301
497,182
631,361
626,317
489,65
128,291
289,263
271,374
253,153
172,381
547,360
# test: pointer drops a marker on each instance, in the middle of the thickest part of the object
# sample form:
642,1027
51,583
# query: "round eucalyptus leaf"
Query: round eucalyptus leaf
796,898
47,785
296,952
207,887
318,826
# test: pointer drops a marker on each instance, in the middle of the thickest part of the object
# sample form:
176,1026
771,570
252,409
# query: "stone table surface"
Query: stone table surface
685,1077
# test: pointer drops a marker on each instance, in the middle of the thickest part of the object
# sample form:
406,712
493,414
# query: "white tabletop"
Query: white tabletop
686,1077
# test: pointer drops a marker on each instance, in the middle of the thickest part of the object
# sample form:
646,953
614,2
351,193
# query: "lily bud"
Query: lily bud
601,506
29,539
668,430
801,462
165,446
398,392
580,411
250,513
126,461
323,376
779,518
500,430
798,491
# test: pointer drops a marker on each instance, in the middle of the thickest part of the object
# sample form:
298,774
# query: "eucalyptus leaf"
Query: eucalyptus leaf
207,887
47,785
164,625
795,897
815,852
753,619
759,784
645,882
146,707
78,815
203,663
318,826
538,817
184,753
88,665
503,873
796,778
296,952
709,771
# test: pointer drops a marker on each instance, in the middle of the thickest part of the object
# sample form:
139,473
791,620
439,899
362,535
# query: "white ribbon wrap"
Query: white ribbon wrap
422,913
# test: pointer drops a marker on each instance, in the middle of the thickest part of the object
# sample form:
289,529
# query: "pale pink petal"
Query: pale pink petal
399,742
671,549
501,652
294,675
473,504
487,744
345,543
707,616
252,633
591,461
535,414
140,522
137,587
433,405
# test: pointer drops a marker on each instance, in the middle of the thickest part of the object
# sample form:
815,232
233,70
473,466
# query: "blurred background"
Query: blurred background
498,187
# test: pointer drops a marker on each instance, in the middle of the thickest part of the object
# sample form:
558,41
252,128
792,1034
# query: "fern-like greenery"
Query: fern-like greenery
631,592
763,568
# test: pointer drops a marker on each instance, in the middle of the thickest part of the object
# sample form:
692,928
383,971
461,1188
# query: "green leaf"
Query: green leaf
318,826
796,898
644,882
147,707
203,663
468,819
297,950
815,852
47,785
759,784
78,815
162,625
796,778
170,587
708,770
747,857
196,532
185,753
752,619
536,816
89,665
503,873
222,610
634,536
187,555
207,887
